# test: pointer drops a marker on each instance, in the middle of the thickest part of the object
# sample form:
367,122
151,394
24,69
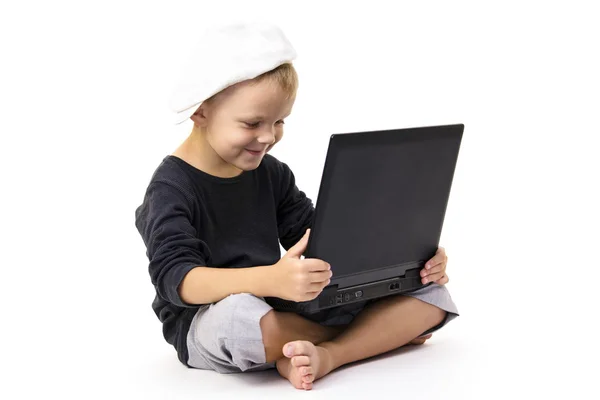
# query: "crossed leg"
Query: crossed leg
316,350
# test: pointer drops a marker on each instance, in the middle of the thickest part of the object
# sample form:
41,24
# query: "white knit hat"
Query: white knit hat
226,55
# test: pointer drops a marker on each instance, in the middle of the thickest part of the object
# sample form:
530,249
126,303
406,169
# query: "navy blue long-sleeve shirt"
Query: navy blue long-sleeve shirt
189,218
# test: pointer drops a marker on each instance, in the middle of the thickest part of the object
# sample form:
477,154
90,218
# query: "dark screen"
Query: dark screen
383,198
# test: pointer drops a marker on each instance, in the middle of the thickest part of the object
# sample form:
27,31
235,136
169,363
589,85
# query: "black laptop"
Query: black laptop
379,212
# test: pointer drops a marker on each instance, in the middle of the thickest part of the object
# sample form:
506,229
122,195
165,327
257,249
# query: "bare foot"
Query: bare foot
420,340
304,363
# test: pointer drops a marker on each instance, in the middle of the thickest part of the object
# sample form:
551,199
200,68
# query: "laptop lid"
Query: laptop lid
382,200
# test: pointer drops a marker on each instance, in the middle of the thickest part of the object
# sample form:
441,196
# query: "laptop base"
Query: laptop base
332,296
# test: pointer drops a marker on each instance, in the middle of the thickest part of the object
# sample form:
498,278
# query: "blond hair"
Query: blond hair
284,75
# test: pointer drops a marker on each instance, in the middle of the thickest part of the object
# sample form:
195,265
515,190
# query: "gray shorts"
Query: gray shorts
226,336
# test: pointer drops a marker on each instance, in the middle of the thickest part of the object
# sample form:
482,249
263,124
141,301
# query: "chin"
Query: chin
247,165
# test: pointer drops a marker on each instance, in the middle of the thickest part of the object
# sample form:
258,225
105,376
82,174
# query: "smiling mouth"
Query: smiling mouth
254,152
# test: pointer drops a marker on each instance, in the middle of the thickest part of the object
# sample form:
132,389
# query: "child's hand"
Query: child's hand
300,280
435,269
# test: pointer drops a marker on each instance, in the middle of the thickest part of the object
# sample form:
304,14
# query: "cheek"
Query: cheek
278,136
238,138
226,138
235,141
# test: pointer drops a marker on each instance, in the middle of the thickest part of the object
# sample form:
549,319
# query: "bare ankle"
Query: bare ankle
279,328
330,350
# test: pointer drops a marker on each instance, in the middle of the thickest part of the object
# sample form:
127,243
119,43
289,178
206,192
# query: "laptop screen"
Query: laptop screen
383,197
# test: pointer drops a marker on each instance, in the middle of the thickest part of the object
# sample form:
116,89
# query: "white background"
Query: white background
84,122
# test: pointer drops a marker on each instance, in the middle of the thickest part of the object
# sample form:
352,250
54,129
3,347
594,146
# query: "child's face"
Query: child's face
246,116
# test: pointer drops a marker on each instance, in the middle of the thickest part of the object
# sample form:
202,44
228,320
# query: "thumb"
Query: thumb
297,249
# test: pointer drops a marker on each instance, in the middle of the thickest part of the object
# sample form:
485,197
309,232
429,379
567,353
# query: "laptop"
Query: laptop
379,212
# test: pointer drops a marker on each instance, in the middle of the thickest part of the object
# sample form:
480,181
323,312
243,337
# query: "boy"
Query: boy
217,208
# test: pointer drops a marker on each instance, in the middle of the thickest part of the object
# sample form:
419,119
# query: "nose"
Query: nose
267,136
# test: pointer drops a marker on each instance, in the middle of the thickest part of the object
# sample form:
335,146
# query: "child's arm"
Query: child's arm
205,285
164,220
291,278
295,211
178,258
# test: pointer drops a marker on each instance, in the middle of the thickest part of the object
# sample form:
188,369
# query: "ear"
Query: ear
199,116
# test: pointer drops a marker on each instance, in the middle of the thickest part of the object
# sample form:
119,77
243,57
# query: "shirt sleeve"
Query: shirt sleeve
295,211
173,247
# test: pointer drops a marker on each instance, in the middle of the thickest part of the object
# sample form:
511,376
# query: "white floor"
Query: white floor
459,362
448,366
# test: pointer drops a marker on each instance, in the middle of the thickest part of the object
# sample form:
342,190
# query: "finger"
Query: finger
321,276
298,249
443,280
311,295
432,277
440,256
438,259
438,268
317,287
315,265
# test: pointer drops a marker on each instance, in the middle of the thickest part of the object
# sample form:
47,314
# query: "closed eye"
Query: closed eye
256,124
252,125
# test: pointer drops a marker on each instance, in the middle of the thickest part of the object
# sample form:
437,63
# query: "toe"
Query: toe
299,361
420,339
297,348
306,371
308,378
306,386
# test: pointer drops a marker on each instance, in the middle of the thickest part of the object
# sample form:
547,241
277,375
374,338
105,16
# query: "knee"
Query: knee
226,310
231,302
434,316
228,334
230,317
